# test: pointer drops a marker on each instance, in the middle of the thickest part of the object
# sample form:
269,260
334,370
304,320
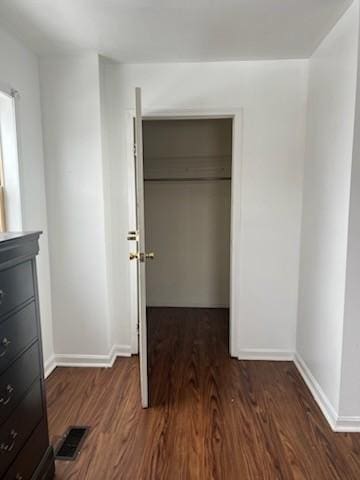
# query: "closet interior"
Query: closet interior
187,178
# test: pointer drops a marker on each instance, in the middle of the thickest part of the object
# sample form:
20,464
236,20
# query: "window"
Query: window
10,199
2,192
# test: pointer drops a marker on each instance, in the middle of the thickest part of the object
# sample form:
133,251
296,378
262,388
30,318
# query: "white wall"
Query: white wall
117,178
188,228
350,379
70,88
273,97
106,152
330,126
19,70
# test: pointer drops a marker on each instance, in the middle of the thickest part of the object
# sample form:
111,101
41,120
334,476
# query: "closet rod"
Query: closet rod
184,179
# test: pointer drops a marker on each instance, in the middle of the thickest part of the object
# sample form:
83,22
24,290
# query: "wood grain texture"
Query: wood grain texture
212,417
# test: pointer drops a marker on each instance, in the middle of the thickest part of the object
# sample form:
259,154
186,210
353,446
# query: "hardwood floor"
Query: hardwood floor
212,417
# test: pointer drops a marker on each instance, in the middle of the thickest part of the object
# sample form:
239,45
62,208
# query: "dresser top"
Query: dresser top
8,236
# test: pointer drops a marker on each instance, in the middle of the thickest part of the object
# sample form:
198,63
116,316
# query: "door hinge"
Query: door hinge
135,152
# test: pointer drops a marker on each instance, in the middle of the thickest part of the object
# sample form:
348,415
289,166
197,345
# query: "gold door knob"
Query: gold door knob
142,256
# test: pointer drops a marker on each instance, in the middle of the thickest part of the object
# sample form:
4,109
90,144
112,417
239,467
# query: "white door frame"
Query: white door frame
236,190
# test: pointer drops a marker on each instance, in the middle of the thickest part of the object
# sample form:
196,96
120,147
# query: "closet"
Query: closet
187,177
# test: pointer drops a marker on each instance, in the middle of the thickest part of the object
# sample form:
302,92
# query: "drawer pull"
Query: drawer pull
19,477
8,447
7,396
5,342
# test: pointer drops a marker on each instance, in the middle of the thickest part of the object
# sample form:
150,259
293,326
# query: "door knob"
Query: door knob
141,256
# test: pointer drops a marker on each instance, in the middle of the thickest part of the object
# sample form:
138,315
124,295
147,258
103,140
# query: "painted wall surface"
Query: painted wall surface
117,180
106,125
330,126
350,379
188,228
19,69
70,88
273,98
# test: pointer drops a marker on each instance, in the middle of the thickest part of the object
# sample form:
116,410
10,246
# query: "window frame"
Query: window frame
3,227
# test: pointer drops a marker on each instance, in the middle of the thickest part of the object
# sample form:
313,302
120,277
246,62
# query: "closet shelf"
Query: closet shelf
181,157
187,179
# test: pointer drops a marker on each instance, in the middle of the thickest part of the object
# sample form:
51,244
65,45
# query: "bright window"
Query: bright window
10,200
2,193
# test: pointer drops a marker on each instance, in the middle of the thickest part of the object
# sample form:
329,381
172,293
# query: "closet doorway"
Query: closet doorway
187,200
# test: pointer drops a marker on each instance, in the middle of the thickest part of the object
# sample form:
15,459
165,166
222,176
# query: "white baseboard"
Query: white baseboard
76,360
49,366
337,422
64,360
266,354
119,351
188,305
347,424
317,392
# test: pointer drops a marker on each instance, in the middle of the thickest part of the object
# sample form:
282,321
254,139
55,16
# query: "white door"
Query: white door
140,256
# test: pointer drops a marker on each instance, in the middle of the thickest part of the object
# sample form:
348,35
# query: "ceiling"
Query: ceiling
173,30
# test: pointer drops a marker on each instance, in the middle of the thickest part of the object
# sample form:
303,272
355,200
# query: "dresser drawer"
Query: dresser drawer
17,379
17,429
16,332
16,286
31,455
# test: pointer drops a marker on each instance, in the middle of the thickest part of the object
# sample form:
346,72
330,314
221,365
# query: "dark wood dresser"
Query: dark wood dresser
25,452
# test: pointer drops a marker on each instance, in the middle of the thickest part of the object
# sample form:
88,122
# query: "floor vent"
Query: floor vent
70,444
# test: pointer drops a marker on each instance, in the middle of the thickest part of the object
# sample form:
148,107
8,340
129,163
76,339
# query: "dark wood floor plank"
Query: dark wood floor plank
212,417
